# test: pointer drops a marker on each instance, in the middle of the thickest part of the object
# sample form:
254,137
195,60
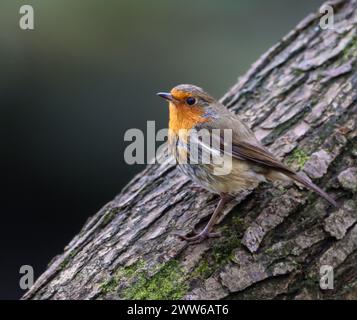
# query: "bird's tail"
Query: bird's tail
312,186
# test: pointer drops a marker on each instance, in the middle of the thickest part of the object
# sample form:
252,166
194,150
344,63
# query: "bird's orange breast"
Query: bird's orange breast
185,117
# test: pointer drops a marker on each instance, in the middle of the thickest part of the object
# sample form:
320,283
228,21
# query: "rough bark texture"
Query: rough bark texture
300,98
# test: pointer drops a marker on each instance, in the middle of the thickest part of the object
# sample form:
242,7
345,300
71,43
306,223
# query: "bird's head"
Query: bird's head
189,106
187,95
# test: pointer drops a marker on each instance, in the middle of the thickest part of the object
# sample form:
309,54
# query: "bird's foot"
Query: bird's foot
199,237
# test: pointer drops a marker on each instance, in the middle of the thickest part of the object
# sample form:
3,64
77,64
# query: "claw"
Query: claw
198,238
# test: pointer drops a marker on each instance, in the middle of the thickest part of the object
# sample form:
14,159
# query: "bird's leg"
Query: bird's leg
206,232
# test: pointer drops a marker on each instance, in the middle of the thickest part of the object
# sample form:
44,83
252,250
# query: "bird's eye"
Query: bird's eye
190,101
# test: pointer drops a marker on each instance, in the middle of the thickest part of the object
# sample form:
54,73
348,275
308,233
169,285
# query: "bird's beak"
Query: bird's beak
165,95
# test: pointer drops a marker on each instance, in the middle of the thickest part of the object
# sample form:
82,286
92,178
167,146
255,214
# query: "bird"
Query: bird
192,110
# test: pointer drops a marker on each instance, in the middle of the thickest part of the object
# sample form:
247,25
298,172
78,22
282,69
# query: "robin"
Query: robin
192,110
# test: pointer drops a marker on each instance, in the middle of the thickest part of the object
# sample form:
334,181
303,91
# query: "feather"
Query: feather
258,154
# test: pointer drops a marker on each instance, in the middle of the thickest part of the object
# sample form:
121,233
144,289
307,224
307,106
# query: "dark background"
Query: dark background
88,72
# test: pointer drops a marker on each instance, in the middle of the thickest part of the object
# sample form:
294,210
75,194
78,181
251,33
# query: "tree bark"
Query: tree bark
300,99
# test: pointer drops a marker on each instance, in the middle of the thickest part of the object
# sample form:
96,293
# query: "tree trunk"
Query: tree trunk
300,99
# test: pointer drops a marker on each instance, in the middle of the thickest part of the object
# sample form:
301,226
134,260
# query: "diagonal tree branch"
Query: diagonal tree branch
300,99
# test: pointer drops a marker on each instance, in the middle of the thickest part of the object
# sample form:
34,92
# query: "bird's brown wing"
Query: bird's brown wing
258,154
244,144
